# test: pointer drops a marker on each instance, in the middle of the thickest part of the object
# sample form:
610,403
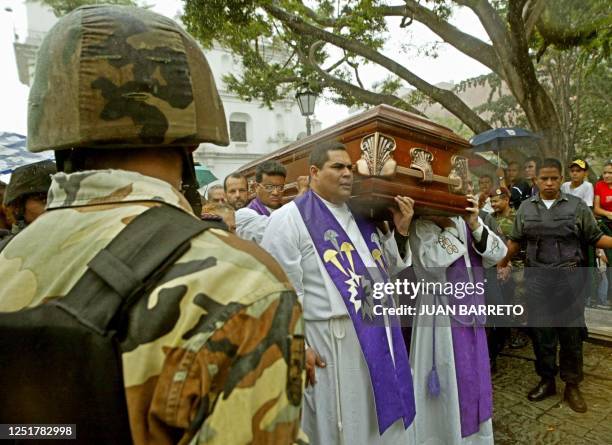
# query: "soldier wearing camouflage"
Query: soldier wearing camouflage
4,223
26,194
504,214
204,360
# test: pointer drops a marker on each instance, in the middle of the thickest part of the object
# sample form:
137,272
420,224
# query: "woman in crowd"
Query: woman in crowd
602,207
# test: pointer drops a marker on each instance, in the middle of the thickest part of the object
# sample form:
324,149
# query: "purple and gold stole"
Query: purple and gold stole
391,382
259,207
470,347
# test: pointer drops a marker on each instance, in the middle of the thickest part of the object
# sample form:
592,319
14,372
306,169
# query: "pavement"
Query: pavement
519,421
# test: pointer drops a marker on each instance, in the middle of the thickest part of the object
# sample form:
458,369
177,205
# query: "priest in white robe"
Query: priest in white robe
252,220
448,355
360,388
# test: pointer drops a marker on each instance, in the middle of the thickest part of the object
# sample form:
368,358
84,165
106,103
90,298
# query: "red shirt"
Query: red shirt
604,192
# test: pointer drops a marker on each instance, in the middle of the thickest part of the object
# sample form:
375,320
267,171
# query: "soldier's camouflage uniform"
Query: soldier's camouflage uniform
222,330
214,354
514,289
505,224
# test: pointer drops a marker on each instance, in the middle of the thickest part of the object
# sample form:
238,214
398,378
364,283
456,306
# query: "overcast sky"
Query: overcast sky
450,65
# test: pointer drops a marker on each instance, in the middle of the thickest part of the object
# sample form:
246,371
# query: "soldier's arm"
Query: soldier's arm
514,239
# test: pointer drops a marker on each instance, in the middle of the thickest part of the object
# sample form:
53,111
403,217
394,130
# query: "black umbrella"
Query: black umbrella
498,139
513,141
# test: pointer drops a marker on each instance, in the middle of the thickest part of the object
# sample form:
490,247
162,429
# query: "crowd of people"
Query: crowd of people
268,335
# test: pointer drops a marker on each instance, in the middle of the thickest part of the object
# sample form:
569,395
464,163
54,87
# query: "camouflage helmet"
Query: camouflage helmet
122,77
29,179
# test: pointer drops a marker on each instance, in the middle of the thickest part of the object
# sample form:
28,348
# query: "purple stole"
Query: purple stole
470,348
259,207
391,383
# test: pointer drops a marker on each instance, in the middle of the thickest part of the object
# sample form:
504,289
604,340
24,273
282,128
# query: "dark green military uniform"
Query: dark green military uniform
513,290
496,335
556,238
506,224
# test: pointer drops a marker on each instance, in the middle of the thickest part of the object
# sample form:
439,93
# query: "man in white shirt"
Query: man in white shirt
361,391
578,186
252,220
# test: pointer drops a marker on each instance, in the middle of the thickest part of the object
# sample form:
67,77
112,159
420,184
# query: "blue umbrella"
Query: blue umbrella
498,139
13,152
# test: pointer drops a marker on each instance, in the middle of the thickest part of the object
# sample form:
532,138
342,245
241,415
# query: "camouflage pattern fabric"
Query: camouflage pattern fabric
122,77
505,225
214,354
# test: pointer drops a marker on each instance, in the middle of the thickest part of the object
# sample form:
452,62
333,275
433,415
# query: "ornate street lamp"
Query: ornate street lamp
306,99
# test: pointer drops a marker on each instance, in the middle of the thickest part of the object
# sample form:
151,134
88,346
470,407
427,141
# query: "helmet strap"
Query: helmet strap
190,183
63,161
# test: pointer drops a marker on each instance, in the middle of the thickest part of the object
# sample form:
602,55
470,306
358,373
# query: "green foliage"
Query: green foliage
442,8
594,135
418,99
275,59
586,24
581,97
456,125
503,111
389,85
234,23
62,7
492,80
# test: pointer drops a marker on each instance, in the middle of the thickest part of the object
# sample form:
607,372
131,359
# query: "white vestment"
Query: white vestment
250,225
339,408
438,420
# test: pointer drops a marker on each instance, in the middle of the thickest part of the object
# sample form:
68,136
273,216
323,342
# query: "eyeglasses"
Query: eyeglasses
270,188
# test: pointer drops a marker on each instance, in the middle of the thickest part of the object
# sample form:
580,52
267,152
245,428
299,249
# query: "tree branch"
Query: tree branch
531,14
520,47
335,65
492,23
503,43
466,43
349,89
326,22
446,98
355,67
566,38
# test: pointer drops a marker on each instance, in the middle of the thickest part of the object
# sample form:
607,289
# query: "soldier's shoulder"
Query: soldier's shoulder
233,268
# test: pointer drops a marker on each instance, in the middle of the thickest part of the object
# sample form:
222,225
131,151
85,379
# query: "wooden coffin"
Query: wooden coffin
394,152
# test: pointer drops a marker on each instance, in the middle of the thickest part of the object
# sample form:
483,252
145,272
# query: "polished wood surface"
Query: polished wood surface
373,194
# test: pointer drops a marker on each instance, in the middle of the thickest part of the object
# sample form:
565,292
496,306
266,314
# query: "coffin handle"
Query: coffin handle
421,161
454,182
